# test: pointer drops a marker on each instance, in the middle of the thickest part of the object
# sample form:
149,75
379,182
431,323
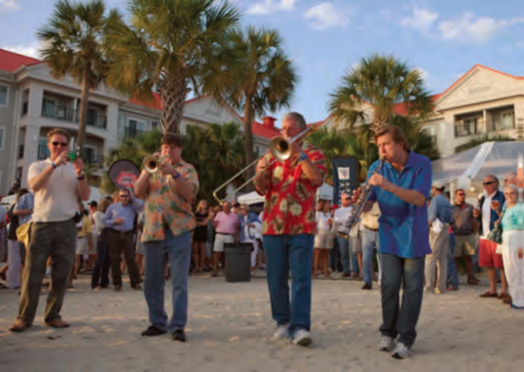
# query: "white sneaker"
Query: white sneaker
385,344
302,338
282,332
401,351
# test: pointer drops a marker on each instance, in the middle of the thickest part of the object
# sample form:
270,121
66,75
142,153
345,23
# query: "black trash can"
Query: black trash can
238,262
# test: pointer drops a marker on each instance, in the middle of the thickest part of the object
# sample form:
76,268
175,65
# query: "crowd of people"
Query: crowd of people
408,232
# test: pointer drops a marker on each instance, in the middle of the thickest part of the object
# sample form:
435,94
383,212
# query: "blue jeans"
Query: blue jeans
453,279
100,276
402,319
369,244
178,251
282,253
345,252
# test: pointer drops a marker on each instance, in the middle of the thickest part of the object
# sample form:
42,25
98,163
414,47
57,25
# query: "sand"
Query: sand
230,329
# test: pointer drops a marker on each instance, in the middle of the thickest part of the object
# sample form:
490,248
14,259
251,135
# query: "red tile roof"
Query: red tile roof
10,61
156,104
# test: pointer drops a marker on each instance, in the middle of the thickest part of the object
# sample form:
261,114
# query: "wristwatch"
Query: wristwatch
82,177
302,156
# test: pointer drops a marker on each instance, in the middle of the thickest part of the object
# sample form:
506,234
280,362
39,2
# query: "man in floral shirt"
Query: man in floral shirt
169,220
288,229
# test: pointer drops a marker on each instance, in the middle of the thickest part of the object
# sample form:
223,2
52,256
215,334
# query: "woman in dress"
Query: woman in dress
512,247
323,239
200,236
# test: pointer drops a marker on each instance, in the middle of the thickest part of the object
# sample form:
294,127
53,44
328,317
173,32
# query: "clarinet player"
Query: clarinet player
401,189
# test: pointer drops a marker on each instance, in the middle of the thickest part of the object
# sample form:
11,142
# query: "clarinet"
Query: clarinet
358,206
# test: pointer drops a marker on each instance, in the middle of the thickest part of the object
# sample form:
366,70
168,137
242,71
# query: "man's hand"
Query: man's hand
167,168
62,159
380,181
79,167
356,195
118,221
262,164
476,213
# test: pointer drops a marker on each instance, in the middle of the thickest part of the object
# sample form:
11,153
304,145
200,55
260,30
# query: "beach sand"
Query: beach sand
230,329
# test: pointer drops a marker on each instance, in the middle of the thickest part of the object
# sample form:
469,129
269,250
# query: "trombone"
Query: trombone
279,147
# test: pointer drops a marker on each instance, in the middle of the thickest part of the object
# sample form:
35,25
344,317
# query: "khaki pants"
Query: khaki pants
55,239
439,244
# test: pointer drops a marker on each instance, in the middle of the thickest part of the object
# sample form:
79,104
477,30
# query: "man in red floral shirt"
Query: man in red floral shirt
288,229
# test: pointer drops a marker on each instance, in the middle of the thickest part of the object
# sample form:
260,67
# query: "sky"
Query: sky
442,38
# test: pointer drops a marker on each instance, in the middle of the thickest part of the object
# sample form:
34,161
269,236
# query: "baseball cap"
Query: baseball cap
438,185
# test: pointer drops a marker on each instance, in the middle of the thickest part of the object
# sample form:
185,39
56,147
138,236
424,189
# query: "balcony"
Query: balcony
133,132
88,158
468,127
67,114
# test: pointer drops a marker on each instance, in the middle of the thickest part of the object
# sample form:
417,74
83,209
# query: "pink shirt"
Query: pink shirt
226,223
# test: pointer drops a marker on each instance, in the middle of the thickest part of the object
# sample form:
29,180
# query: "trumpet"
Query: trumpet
151,164
279,147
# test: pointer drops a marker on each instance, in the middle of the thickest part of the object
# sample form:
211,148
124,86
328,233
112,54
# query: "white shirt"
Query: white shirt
486,215
251,234
57,201
99,223
341,216
323,221
261,216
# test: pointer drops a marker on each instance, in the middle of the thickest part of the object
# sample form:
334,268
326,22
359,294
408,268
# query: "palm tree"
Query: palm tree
73,39
382,82
171,46
418,139
265,78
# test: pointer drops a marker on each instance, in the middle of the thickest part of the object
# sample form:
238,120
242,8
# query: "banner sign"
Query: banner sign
345,177
123,173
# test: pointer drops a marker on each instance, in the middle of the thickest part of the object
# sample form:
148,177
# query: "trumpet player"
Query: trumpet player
401,188
288,229
169,192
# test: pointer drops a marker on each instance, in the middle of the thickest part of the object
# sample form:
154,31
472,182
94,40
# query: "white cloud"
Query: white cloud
26,50
271,6
468,27
326,15
9,4
421,20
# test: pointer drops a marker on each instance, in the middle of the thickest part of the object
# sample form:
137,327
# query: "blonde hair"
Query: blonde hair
200,209
105,202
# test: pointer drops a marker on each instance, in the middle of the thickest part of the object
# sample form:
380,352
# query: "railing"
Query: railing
467,128
497,125
67,114
43,153
132,132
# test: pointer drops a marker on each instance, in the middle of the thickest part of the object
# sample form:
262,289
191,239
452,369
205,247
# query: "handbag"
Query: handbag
495,235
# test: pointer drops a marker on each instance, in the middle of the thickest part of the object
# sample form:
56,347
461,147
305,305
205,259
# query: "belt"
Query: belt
219,233
115,231
369,228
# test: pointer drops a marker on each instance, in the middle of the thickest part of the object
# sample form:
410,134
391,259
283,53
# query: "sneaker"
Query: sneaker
153,331
179,335
282,332
401,351
385,344
302,338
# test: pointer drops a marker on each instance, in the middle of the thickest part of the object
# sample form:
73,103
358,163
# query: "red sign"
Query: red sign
126,179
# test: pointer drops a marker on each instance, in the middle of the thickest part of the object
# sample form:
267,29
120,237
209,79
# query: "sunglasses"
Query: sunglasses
56,144
488,183
123,196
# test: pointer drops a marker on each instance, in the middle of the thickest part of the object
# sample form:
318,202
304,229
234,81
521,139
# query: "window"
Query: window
135,127
154,125
90,155
257,150
92,115
43,151
2,137
3,95
48,107
507,120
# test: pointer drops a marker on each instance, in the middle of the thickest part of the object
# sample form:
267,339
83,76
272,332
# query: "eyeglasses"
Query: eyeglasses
56,144
123,196
488,183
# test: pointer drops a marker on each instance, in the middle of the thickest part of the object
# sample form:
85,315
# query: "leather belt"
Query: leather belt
219,233
369,228
115,231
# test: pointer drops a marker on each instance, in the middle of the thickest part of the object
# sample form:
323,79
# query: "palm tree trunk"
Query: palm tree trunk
248,139
173,92
84,103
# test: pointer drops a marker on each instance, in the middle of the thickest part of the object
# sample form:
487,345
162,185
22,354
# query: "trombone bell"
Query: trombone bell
280,148
151,164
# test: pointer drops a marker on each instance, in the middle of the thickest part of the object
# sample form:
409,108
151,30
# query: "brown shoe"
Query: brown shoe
137,287
19,326
508,300
488,294
57,323
118,288
503,296
345,275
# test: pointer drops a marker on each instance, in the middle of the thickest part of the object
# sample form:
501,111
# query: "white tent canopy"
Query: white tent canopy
324,192
496,158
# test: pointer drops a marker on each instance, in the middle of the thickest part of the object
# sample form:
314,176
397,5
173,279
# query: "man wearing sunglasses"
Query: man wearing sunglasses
57,184
488,211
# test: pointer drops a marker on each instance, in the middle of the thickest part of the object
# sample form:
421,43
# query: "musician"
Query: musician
169,221
288,229
402,187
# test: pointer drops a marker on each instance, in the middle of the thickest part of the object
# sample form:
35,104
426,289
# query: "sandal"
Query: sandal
473,281
488,294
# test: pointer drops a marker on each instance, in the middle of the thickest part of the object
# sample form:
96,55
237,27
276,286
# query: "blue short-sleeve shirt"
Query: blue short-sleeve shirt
404,230
26,201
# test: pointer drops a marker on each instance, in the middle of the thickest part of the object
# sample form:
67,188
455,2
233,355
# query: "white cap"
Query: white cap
438,185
